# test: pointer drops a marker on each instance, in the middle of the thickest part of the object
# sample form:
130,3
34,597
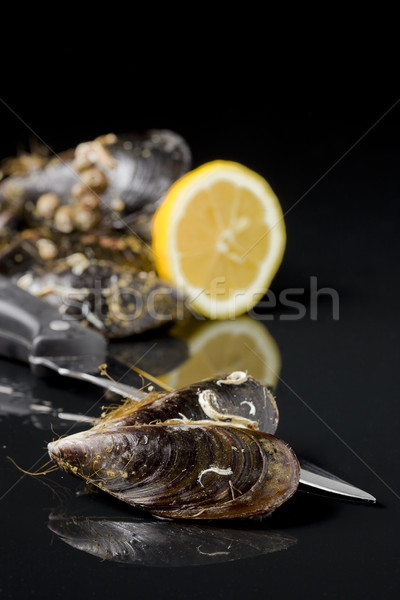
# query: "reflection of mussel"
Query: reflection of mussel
142,540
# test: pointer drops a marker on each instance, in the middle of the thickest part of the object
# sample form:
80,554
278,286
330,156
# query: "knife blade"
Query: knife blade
318,479
34,332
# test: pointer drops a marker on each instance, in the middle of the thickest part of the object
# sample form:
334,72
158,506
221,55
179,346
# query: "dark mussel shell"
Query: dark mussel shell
118,301
236,399
42,251
116,180
96,200
147,165
196,471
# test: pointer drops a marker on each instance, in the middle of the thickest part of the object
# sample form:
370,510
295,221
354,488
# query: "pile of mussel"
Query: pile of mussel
75,228
75,231
207,451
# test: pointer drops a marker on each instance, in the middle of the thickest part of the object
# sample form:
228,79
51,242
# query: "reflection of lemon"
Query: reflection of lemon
219,347
219,236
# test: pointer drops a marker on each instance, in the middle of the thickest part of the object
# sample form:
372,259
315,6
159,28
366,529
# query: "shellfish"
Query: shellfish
185,471
235,399
187,466
93,203
117,181
118,301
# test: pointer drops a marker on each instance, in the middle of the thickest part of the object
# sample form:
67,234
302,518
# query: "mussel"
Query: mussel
234,399
41,250
189,454
187,471
118,301
117,181
75,229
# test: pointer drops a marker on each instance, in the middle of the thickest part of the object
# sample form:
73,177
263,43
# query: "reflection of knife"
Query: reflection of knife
17,401
33,331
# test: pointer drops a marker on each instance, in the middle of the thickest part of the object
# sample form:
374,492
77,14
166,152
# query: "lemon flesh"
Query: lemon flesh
219,237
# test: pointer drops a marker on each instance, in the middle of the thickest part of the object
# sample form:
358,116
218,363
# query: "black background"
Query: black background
327,140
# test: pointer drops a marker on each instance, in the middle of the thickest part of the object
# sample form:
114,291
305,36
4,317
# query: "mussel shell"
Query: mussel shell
249,399
56,175
21,251
136,172
116,300
146,164
184,471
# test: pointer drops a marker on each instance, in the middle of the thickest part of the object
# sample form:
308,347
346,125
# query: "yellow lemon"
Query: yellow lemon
219,237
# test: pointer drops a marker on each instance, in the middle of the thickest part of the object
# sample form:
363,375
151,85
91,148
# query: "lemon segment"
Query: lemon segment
219,237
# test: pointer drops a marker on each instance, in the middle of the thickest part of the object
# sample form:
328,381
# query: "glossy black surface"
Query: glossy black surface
337,176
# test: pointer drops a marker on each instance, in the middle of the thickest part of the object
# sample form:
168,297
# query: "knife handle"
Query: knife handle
31,327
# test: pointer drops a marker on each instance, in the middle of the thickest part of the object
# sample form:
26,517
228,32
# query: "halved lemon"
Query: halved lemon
219,237
221,347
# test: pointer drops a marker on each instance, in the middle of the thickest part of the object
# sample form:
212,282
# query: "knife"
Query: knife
22,404
32,331
319,480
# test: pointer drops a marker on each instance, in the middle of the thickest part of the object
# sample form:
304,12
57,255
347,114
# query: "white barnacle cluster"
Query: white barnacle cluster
208,401
207,398
252,408
235,378
217,470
